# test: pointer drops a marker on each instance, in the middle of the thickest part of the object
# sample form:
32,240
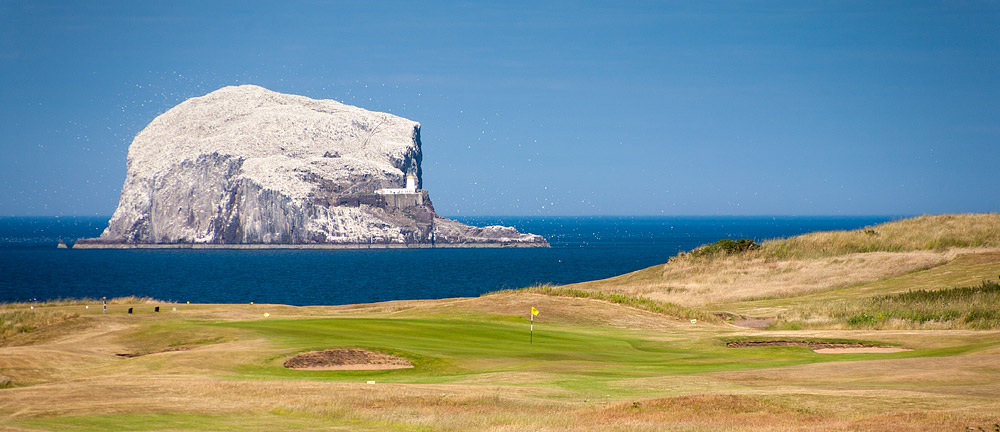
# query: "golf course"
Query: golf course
894,327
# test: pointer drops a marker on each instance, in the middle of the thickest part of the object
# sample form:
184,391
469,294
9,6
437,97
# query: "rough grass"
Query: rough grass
178,422
974,307
82,301
23,322
968,268
16,322
731,278
924,233
927,233
810,263
634,301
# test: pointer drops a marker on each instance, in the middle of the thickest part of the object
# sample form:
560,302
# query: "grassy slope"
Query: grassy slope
805,274
613,361
963,271
920,233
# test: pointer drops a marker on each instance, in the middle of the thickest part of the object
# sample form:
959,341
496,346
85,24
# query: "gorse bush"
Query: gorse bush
726,247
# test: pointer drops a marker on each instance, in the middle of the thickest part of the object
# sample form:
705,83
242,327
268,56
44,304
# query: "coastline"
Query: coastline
87,245
582,249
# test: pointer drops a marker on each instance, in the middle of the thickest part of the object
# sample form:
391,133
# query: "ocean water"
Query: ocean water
583,248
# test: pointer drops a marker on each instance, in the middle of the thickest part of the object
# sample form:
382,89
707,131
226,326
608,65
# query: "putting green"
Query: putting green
570,357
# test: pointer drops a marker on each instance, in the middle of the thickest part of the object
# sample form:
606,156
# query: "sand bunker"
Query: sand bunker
821,347
346,359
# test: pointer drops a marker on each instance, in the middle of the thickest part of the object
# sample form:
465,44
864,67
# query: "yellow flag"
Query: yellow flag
534,311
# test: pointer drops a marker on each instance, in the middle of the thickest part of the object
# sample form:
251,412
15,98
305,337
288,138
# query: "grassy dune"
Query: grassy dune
643,351
924,233
849,263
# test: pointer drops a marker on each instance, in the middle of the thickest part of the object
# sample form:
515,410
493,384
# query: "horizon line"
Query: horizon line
704,215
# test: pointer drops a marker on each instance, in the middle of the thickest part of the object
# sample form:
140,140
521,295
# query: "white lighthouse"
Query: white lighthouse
403,197
411,187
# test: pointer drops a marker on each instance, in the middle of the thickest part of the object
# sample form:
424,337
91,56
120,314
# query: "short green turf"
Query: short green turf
449,351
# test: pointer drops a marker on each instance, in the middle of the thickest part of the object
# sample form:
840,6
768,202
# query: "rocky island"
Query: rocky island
244,166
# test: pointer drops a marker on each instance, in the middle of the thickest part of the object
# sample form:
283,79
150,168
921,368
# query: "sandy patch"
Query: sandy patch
866,350
758,323
820,347
346,359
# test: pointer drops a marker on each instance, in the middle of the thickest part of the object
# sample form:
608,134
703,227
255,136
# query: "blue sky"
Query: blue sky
541,108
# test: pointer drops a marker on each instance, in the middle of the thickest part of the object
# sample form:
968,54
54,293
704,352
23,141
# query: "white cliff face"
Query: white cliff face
246,165
279,137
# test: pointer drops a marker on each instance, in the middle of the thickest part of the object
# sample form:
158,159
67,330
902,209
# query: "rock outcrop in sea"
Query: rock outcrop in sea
248,166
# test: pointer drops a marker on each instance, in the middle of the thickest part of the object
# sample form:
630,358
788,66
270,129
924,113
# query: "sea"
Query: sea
583,249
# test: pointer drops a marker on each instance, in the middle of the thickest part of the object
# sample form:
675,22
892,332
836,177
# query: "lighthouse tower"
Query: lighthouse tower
404,197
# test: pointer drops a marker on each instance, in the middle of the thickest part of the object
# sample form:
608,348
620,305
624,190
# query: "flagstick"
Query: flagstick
531,338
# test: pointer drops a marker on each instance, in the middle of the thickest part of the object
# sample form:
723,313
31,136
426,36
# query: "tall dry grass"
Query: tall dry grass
929,233
81,301
21,321
701,282
973,307
923,233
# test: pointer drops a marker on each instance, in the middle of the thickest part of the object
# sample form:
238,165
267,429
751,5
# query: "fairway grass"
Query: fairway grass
449,351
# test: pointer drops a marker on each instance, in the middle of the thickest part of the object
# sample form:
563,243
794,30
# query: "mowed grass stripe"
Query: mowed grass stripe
445,351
